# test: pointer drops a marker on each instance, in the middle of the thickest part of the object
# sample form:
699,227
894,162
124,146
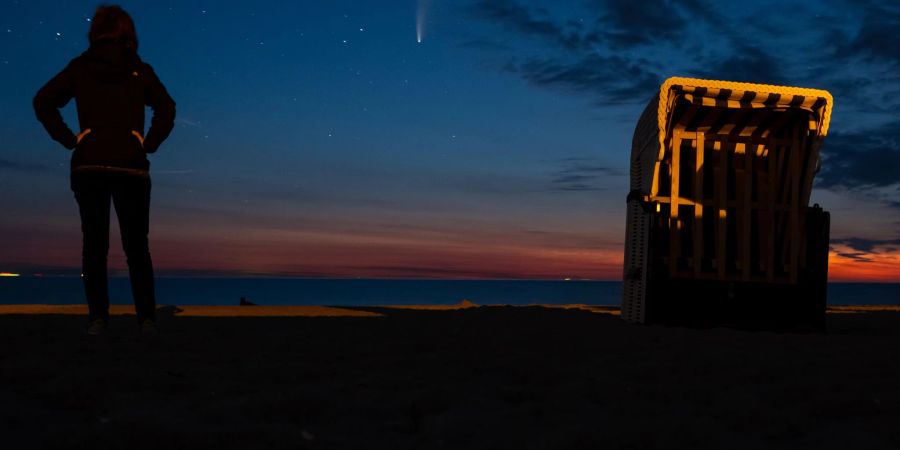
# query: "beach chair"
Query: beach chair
718,227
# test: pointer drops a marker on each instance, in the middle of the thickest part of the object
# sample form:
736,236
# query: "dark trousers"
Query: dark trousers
131,196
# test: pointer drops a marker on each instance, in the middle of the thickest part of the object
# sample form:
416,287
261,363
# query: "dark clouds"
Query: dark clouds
624,25
617,24
581,174
861,159
574,62
869,245
859,65
878,34
607,79
605,54
863,78
749,64
536,23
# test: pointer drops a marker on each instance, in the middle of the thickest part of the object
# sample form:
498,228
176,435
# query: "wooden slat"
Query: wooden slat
749,140
674,228
782,221
708,120
685,119
776,125
754,123
795,205
808,170
783,175
746,212
770,244
698,205
722,197
802,197
737,118
654,188
739,177
684,201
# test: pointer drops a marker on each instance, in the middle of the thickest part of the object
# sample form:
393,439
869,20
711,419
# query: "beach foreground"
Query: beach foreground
439,377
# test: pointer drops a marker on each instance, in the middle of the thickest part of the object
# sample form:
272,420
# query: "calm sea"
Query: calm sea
286,291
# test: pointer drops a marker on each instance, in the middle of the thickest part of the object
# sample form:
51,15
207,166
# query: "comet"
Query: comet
421,16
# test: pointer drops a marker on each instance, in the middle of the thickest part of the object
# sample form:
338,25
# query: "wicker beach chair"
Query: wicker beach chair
718,227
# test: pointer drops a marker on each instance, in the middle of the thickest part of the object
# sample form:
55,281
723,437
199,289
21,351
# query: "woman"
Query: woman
111,86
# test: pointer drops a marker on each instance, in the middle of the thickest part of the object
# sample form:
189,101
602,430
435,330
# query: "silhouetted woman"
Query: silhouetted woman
111,86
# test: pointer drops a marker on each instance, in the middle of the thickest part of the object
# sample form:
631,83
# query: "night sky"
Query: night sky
321,138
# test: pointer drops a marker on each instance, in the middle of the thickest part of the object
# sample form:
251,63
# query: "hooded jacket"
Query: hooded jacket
111,86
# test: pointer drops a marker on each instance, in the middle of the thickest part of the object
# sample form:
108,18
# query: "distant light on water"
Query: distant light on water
8,274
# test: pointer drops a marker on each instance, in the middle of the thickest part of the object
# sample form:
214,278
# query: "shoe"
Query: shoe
96,327
148,327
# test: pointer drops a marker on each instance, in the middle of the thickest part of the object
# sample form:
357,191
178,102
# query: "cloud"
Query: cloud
868,246
19,166
877,34
619,24
859,58
609,79
861,159
748,64
623,25
581,174
622,53
864,250
594,58
856,256
537,23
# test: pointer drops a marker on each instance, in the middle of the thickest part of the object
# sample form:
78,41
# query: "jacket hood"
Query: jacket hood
111,61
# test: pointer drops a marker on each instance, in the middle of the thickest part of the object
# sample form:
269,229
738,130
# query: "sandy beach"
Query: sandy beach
439,377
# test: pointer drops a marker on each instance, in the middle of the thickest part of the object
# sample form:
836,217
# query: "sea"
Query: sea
368,292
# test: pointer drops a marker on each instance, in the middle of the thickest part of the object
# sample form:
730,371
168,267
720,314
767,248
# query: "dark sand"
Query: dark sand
486,378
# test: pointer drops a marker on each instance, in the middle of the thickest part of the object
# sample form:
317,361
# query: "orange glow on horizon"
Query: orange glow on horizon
877,267
386,253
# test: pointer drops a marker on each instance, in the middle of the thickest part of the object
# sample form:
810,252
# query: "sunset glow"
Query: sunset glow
877,267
